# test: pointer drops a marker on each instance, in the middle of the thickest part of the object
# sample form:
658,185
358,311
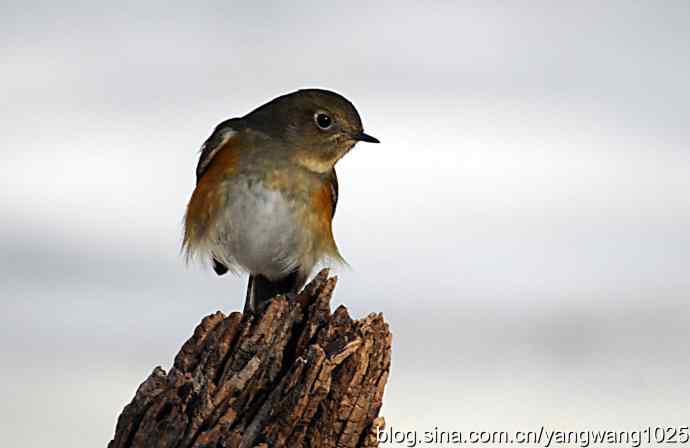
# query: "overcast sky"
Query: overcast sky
523,226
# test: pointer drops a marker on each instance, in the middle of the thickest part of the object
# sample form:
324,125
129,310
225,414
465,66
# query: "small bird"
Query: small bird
266,191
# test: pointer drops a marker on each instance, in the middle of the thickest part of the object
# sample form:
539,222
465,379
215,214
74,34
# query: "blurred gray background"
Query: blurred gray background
523,226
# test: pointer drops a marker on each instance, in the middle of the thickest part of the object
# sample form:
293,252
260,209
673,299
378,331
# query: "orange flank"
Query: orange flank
322,204
207,197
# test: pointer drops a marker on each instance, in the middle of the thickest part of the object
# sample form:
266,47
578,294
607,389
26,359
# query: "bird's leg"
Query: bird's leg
248,301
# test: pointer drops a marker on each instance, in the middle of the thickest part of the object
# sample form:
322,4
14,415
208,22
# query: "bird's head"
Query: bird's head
317,127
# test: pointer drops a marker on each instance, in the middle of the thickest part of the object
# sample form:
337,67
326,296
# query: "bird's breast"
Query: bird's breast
275,223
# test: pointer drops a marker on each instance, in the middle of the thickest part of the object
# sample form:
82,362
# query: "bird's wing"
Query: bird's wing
220,136
334,190
219,156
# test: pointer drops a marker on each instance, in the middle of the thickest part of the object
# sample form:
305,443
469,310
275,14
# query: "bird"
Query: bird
267,190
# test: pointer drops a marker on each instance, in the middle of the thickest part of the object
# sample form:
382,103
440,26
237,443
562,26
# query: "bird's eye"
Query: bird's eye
323,121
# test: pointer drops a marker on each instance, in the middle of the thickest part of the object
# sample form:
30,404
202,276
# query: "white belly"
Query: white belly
258,232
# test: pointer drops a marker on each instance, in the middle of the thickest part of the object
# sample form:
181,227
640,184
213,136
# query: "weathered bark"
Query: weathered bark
295,375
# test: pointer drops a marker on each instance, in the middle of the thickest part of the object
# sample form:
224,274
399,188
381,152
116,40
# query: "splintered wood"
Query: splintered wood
296,375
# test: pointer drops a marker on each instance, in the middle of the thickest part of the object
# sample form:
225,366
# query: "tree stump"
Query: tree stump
296,375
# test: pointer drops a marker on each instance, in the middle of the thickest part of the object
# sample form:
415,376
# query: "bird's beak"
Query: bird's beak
362,137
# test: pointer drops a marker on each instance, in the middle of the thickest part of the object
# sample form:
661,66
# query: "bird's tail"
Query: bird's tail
260,289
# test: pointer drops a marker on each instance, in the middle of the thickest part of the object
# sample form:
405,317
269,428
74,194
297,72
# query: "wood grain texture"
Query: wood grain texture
296,375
